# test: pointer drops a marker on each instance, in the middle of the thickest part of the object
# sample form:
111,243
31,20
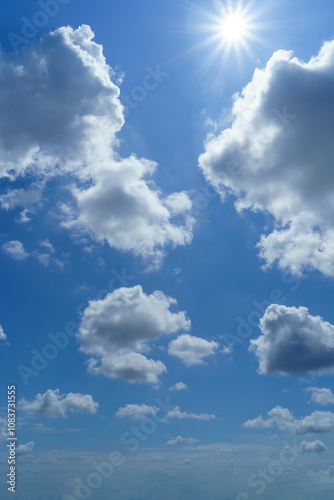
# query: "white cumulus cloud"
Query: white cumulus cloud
293,342
180,440
312,446
55,405
139,412
59,97
136,412
177,413
122,208
59,115
321,396
277,155
192,350
116,330
283,419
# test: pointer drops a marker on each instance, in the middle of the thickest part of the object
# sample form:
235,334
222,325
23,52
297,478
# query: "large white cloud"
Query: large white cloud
293,341
55,405
60,114
115,332
57,97
192,350
122,208
283,419
277,157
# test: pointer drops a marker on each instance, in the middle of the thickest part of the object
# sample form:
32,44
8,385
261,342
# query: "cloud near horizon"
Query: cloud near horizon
180,440
139,412
283,419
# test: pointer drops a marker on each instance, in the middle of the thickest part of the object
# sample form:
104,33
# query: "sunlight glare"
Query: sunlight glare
233,27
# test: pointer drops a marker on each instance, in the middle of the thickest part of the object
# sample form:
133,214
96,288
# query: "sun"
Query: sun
227,34
233,27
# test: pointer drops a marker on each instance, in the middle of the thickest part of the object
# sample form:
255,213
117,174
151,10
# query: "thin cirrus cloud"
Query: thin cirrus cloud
116,331
192,350
55,405
277,157
316,423
294,342
60,115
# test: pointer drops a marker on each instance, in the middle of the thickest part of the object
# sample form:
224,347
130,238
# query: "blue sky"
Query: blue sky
166,196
